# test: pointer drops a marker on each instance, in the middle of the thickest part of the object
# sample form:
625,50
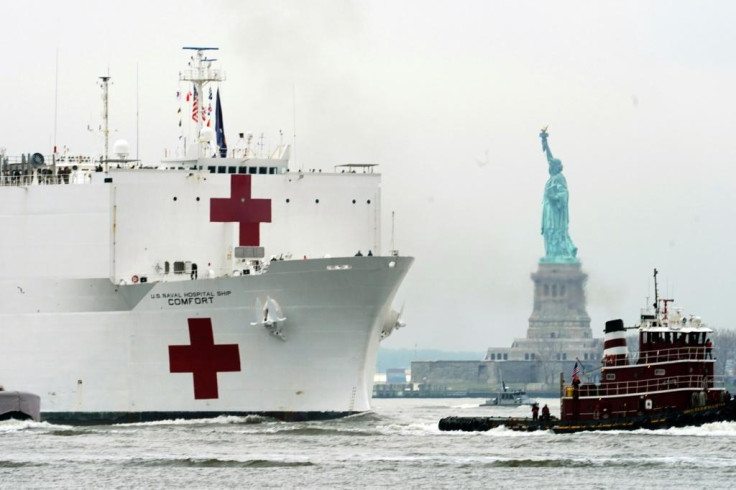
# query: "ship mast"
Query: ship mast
105,116
200,74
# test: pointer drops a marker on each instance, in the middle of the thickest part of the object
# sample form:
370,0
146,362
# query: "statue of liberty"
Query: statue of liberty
558,246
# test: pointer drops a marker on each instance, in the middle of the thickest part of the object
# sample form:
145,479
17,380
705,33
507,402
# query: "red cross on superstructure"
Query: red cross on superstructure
242,208
203,358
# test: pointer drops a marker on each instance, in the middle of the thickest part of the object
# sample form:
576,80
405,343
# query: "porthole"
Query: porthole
288,200
316,201
197,199
353,201
369,201
174,198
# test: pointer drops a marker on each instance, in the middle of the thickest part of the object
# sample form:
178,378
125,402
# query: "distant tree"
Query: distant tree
724,348
548,360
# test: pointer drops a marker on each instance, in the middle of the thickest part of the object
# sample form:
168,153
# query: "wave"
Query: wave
724,429
16,464
215,463
220,420
13,425
320,431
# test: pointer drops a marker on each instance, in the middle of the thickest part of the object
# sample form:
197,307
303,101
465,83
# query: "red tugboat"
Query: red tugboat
670,382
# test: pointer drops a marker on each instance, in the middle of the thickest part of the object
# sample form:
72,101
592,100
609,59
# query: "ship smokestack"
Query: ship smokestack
615,351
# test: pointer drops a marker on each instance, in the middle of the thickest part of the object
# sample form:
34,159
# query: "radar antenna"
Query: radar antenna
200,74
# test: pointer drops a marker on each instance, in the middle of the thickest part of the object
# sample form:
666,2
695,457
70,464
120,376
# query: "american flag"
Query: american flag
195,106
575,370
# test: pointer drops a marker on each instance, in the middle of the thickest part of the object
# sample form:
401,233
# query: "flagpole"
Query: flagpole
56,110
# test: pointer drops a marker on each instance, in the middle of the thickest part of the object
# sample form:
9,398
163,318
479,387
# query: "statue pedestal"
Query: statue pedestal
559,302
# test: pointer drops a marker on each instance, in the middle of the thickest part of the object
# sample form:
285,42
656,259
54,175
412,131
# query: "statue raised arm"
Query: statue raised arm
558,246
545,146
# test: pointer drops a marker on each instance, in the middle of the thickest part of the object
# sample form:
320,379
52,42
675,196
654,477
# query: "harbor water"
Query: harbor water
397,445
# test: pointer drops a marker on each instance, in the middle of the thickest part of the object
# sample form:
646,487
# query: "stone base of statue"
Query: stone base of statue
559,302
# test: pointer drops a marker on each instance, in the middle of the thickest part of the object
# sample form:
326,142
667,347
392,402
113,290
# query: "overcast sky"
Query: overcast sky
448,97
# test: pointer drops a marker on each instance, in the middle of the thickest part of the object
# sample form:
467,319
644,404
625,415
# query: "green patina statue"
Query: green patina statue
558,246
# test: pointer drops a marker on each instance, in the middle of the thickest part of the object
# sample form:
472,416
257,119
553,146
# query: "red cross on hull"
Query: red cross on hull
203,358
241,208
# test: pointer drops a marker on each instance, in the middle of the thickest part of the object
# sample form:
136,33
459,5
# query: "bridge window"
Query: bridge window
231,170
167,267
211,169
610,377
252,170
262,170
562,290
546,290
554,290
659,372
242,170
493,357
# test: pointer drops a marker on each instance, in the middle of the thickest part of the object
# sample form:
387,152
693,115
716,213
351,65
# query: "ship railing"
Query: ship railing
672,354
24,180
691,381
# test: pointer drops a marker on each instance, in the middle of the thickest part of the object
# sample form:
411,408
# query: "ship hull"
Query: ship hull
97,352
692,417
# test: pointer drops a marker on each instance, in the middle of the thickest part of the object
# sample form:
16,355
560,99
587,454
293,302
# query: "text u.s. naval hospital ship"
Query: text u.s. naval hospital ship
135,293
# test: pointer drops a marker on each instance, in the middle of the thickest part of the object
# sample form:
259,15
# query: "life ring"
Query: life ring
134,279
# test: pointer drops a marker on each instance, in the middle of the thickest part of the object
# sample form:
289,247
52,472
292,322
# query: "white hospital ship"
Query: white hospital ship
218,282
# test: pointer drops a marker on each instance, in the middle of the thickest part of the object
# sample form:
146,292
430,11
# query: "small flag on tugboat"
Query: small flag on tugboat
575,370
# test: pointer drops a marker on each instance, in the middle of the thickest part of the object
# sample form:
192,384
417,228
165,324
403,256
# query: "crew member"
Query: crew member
708,349
545,413
535,412
575,386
